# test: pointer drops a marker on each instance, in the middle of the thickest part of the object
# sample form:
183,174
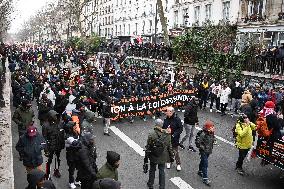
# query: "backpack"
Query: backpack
158,146
197,139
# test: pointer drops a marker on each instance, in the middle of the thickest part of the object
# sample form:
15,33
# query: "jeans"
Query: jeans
189,130
203,165
152,171
217,99
242,154
176,152
236,104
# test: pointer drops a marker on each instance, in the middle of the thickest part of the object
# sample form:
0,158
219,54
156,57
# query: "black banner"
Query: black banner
272,154
149,104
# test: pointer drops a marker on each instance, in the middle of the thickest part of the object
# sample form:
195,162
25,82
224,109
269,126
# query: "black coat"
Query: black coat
190,114
87,168
30,149
175,124
237,92
43,108
54,136
107,111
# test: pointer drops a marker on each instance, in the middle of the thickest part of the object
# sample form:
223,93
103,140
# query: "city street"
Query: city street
221,162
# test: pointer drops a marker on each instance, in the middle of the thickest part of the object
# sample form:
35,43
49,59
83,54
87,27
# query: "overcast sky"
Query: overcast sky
23,10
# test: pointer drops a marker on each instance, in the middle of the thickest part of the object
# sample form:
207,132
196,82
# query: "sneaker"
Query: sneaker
178,168
182,146
218,111
178,110
153,117
200,173
211,110
207,182
78,183
168,165
183,111
107,134
240,171
190,148
72,185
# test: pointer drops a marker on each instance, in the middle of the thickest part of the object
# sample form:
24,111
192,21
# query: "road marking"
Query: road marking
128,141
180,183
219,138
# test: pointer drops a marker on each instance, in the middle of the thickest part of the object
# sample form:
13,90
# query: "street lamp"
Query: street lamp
186,17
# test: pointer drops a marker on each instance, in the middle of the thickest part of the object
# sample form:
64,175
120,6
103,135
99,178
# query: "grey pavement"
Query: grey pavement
221,162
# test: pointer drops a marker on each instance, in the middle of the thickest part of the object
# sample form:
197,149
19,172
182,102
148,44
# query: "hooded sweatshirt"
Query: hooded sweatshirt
109,170
34,177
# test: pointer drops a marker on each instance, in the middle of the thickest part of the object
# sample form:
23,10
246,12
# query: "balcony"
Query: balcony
254,18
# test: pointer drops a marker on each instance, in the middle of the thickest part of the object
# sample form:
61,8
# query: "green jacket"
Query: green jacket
107,171
23,117
168,151
244,137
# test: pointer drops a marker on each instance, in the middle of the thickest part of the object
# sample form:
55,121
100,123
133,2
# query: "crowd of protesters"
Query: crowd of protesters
145,50
71,90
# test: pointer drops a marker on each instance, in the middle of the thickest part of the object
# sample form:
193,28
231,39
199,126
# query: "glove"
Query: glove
145,168
70,140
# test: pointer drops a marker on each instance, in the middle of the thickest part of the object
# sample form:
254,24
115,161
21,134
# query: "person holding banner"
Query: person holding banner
174,126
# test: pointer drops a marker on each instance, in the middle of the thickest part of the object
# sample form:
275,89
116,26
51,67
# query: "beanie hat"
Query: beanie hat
208,125
269,104
112,157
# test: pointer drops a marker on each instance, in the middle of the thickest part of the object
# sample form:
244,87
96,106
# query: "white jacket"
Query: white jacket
224,98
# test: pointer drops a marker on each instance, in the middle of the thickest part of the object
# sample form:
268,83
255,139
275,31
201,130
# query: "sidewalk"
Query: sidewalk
6,156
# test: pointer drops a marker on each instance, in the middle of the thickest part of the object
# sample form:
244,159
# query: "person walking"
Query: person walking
190,122
174,126
87,168
109,169
224,98
44,106
204,142
159,151
215,95
244,140
237,92
23,116
29,147
72,144
107,116
54,136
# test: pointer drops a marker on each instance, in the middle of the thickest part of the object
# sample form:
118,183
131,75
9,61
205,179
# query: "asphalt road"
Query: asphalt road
221,162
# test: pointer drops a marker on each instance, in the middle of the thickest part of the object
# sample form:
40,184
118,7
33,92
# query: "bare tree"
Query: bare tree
163,21
6,8
76,8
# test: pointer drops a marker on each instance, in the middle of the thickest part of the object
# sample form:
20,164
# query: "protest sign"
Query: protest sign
147,105
272,153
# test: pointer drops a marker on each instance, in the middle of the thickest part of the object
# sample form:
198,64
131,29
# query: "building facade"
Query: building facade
262,21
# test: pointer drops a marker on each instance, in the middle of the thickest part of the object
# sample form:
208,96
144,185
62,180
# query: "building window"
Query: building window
226,10
185,11
115,30
128,29
197,13
175,18
143,28
150,23
208,11
123,29
136,28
